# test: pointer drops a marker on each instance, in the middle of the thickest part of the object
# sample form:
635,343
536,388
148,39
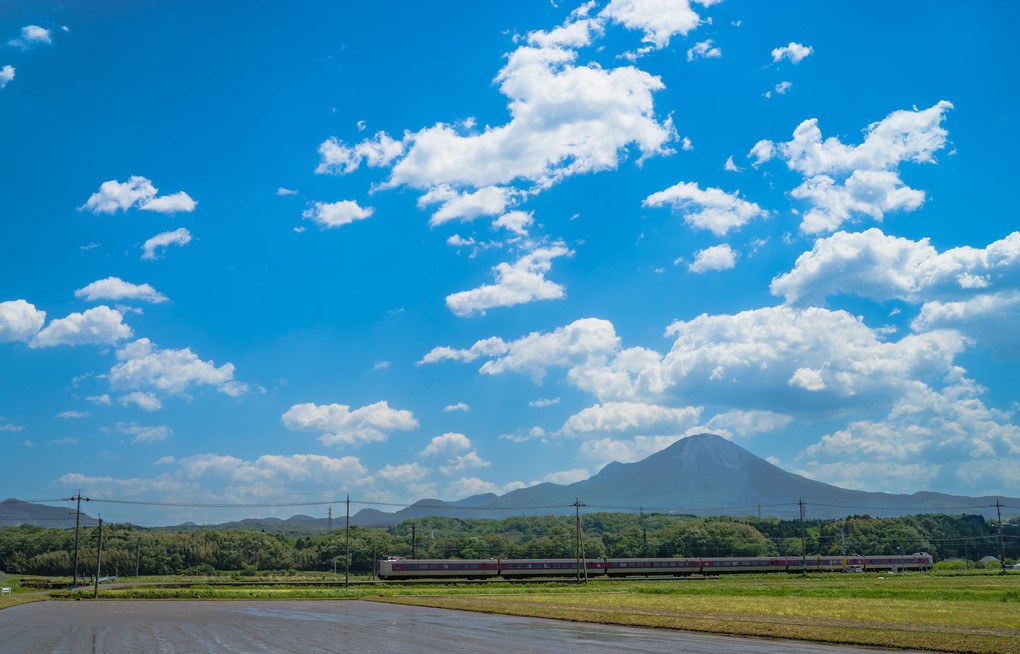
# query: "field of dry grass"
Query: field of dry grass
956,614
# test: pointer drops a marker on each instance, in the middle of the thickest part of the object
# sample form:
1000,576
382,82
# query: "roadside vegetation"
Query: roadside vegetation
210,552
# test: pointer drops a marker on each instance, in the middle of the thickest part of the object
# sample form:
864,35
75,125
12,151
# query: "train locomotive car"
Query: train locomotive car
916,561
394,568
822,563
652,567
524,568
718,566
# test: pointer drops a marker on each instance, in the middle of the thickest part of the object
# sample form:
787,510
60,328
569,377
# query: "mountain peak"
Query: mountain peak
609,470
703,450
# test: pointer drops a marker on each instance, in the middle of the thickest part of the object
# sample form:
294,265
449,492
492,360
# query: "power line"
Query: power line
451,507
905,508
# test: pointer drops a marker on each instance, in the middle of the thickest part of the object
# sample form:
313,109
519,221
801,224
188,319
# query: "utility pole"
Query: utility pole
803,536
578,541
99,558
77,515
1002,549
413,539
347,557
644,533
138,556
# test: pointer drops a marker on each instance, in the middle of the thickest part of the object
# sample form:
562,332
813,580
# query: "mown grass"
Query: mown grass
7,601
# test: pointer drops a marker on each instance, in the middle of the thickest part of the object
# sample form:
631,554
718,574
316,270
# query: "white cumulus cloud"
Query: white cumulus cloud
469,486
447,445
143,365
458,463
465,206
95,326
746,423
795,52
336,214
717,257
338,158
340,425
116,289
73,415
567,477
6,75
631,416
146,401
882,267
712,208
990,318
949,428
565,120
660,20
136,192
517,283
31,35
517,222
143,433
844,181
626,450
153,247
408,472
703,50
19,321
797,361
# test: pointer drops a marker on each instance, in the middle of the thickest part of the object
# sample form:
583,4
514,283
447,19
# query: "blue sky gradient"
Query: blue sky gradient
257,253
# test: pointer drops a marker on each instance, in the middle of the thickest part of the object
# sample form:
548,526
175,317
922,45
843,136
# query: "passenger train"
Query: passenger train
397,568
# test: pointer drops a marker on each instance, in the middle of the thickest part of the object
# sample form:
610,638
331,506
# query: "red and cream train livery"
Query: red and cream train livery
396,568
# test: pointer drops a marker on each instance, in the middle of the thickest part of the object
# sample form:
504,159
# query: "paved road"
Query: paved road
336,626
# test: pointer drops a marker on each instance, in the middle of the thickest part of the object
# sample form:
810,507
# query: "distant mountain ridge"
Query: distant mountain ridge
14,512
704,474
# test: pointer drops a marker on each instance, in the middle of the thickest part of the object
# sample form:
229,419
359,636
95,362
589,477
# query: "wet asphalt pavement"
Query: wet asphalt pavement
336,626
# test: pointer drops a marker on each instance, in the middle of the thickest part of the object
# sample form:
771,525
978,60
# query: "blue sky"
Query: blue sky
256,253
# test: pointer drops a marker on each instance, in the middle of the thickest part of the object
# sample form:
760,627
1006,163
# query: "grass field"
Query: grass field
949,614
977,613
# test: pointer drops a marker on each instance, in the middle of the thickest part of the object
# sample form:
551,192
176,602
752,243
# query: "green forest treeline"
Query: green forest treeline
41,551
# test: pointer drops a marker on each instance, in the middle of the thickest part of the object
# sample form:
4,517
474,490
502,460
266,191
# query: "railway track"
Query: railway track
362,583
